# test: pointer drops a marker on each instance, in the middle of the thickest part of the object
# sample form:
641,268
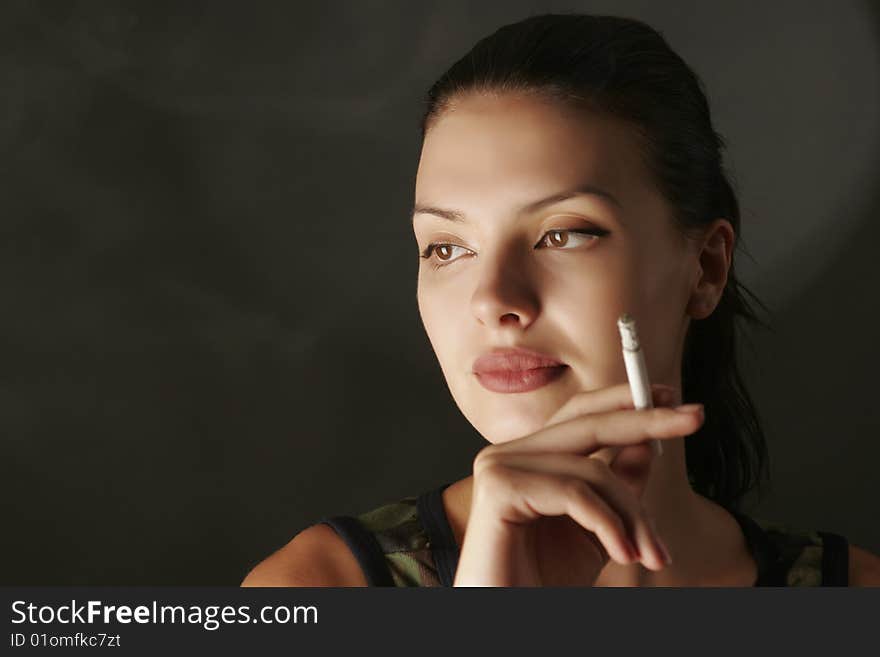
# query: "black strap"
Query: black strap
771,569
444,549
365,548
835,559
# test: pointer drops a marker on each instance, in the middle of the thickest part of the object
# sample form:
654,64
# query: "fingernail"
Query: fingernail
689,408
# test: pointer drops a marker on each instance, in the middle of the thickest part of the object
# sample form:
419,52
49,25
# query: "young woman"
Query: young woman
570,173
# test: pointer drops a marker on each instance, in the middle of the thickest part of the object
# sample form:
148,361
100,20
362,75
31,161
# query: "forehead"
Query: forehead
514,148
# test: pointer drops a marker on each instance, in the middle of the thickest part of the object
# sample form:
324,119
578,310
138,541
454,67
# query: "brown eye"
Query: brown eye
558,238
445,254
562,238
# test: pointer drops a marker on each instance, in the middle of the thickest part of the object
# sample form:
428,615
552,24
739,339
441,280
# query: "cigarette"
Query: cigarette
636,371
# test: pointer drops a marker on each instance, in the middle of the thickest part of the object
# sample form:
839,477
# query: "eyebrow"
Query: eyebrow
580,190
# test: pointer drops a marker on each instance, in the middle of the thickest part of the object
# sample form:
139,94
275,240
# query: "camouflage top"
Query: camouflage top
410,543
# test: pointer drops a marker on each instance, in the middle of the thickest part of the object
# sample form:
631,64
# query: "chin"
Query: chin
502,418
510,428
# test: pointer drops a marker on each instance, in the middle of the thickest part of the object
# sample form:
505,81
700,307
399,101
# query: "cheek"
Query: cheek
585,310
590,299
442,317
438,312
662,305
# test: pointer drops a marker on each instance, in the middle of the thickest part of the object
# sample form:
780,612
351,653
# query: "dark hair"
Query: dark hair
623,68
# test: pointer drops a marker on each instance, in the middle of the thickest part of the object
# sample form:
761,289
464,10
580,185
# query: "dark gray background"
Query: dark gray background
209,330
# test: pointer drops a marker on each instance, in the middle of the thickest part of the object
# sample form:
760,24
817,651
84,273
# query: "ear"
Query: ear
715,253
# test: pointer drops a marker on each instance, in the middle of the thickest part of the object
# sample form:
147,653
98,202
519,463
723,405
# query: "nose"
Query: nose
505,294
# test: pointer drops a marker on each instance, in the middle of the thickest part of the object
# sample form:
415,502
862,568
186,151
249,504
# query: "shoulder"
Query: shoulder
317,556
864,567
320,556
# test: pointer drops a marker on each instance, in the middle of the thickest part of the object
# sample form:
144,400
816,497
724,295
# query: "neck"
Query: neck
704,540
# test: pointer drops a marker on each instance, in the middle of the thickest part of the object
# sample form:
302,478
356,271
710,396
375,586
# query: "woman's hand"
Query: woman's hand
546,513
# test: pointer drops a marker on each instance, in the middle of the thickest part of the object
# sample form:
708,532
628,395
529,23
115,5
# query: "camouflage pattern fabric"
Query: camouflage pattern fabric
799,550
404,542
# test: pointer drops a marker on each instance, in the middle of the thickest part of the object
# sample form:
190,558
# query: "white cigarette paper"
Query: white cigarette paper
636,371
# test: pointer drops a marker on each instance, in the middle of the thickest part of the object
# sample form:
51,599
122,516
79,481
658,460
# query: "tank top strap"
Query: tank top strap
444,549
835,559
771,568
365,547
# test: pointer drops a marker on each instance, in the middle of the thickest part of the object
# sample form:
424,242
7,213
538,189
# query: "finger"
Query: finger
662,396
587,433
614,492
523,496
633,465
616,397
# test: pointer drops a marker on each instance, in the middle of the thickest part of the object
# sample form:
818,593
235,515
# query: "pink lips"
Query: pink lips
516,370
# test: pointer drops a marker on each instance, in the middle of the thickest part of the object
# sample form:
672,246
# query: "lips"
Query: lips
516,370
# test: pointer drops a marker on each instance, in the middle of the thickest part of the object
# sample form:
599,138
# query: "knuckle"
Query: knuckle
577,488
484,457
581,492
610,524
597,471
492,475
596,467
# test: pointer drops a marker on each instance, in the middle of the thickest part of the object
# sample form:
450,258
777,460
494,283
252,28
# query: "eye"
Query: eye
561,238
443,251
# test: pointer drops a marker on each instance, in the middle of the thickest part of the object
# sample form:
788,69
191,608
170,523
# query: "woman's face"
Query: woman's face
513,272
